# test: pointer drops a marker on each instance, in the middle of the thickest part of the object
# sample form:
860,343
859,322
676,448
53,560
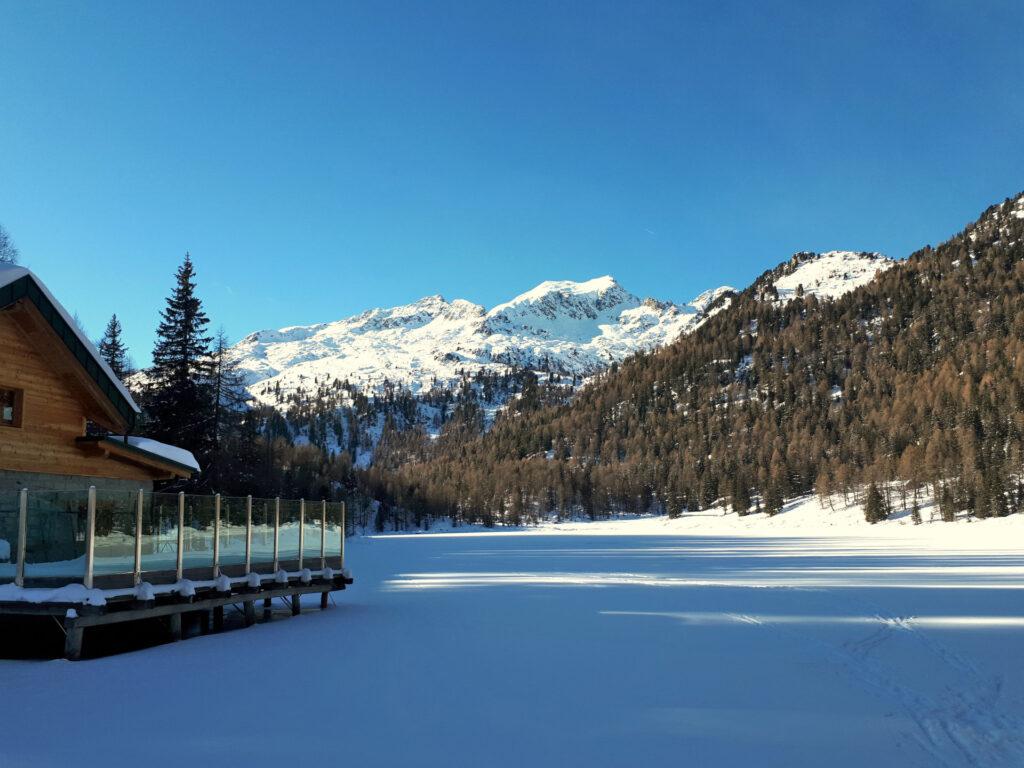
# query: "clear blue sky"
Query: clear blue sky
320,159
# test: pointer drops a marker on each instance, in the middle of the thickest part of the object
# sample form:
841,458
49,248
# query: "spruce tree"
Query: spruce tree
180,400
874,505
113,350
915,513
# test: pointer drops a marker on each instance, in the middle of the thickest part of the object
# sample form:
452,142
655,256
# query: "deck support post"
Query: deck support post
179,566
174,620
248,535
218,619
302,529
323,600
74,636
277,531
296,605
19,574
249,610
137,574
268,609
216,536
90,537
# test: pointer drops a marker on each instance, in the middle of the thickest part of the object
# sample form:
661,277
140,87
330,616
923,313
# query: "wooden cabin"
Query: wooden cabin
53,384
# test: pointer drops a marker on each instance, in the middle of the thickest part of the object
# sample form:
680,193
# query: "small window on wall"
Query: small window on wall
10,407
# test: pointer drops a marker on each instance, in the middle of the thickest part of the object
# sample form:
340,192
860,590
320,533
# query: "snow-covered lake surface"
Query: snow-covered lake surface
707,641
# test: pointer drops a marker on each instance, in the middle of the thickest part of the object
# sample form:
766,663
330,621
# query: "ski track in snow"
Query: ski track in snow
960,722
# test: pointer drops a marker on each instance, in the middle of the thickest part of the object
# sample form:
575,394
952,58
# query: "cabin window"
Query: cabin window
10,407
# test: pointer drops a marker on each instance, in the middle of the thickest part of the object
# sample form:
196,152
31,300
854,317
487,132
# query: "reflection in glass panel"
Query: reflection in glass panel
159,533
197,544
55,541
114,547
232,530
9,508
311,535
334,521
262,535
289,536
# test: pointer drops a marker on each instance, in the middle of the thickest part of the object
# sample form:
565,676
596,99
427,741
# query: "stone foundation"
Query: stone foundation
40,481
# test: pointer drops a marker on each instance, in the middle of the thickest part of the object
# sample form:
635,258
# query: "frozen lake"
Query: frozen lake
643,642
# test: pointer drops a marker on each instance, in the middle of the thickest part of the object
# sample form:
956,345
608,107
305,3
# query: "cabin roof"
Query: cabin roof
18,283
143,450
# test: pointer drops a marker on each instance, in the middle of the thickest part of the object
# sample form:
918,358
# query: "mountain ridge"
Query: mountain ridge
571,328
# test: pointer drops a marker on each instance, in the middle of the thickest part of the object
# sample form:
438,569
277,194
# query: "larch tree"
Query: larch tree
8,250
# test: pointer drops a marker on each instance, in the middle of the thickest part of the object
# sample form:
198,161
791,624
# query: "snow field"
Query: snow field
709,640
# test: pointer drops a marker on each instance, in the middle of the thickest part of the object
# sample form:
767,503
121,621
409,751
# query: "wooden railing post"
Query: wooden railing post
323,534
216,536
19,574
277,531
248,534
90,537
302,529
137,576
180,565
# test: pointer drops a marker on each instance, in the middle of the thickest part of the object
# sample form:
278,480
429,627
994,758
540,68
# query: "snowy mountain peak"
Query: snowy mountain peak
826,275
599,293
574,328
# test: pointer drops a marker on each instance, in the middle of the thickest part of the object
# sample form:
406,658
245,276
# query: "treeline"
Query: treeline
912,383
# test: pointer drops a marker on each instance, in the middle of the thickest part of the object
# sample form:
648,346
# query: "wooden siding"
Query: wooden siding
54,414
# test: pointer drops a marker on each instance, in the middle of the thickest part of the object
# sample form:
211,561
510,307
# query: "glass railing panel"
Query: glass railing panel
262,535
159,533
55,540
114,545
197,543
289,536
9,510
232,530
334,531
311,535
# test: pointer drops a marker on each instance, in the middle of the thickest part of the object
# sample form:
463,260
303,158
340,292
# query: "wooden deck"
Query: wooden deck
208,604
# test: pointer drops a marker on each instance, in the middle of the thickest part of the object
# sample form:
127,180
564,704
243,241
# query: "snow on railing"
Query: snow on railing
79,536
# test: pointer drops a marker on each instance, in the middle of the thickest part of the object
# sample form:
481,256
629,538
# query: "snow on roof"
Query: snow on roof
12,272
163,450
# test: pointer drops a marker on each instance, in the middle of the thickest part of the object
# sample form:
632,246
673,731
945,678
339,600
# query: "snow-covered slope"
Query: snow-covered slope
568,327
826,275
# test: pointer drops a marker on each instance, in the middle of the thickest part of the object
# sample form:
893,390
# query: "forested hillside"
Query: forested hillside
915,380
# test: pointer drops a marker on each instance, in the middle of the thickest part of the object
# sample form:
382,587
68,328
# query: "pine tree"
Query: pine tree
740,495
874,505
113,349
947,504
179,403
915,513
773,500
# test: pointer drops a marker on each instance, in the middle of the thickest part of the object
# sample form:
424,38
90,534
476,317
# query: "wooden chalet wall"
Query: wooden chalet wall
54,414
